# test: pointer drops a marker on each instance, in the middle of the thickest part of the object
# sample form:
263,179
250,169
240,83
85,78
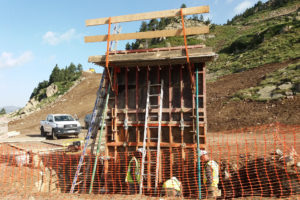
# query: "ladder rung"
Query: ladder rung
155,85
194,116
151,162
154,95
78,183
154,106
148,174
152,138
152,126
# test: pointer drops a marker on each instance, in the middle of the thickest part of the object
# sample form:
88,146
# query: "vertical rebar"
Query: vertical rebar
198,142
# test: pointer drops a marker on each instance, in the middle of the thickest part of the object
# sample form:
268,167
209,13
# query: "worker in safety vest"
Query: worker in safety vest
210,175
172,188
133,176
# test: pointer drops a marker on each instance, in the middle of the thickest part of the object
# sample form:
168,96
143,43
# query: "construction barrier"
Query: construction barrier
253,162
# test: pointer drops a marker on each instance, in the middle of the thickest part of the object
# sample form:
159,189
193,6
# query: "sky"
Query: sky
36,35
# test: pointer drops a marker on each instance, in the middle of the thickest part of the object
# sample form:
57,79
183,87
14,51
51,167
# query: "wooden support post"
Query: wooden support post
148,147
126,108
170,119
181,113
158,100
204,101
137,135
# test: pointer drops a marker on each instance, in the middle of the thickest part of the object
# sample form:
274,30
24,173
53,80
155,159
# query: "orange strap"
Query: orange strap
184,36
186,50
107,54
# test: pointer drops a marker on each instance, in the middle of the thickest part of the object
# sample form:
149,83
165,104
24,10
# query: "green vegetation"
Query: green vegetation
259,8
2,111
62,78
263,41
276,85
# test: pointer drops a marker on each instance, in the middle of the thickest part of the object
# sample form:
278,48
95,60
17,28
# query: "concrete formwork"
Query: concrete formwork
132,70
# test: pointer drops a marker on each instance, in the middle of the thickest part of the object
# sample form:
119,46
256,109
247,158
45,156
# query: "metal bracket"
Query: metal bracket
125,124
182,125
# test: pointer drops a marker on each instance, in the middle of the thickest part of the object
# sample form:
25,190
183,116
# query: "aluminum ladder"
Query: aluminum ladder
99,106
146,138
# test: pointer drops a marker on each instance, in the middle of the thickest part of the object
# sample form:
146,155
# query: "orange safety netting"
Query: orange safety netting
254,162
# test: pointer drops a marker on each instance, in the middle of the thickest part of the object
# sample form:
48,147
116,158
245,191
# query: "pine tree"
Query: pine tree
2,111
55,75
128,47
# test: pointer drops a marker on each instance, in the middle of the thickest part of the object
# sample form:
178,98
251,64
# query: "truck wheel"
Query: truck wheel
54,136
43,132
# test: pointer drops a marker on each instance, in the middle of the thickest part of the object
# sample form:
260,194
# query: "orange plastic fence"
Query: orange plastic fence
254,162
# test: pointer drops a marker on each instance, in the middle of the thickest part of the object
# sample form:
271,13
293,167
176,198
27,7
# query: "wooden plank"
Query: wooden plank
150,56
155,110
148,15
162,62
148,34
154,144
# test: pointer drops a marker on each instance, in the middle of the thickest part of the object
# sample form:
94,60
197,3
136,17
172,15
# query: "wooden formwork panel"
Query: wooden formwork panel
126,109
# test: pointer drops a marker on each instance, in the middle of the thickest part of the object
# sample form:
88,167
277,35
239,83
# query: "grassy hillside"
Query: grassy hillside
254,41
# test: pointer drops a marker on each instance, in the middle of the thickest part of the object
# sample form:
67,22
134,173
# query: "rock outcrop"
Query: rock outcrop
51,90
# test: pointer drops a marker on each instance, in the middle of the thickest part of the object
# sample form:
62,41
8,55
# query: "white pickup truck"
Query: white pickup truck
57,125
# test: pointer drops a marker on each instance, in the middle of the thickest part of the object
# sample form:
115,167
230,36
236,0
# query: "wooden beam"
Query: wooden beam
148,34
155,110
151,56
154,144
148,15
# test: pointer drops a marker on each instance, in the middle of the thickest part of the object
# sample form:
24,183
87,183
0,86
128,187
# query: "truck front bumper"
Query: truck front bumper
67,131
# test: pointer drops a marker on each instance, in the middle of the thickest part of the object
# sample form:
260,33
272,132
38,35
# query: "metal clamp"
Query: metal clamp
182,125
125,124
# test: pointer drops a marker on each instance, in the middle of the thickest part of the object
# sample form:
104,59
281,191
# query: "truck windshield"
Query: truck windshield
63,118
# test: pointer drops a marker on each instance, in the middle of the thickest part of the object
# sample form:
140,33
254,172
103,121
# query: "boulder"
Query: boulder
30,106
286,86
266,92
51,90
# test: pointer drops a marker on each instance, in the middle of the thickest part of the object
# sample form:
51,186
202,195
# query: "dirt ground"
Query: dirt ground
224,114
232,146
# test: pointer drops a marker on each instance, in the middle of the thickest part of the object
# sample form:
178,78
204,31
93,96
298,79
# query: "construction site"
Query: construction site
154,100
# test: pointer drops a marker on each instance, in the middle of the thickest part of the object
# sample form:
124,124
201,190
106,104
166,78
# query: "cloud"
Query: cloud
53,38
242,6
8,60
229,1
